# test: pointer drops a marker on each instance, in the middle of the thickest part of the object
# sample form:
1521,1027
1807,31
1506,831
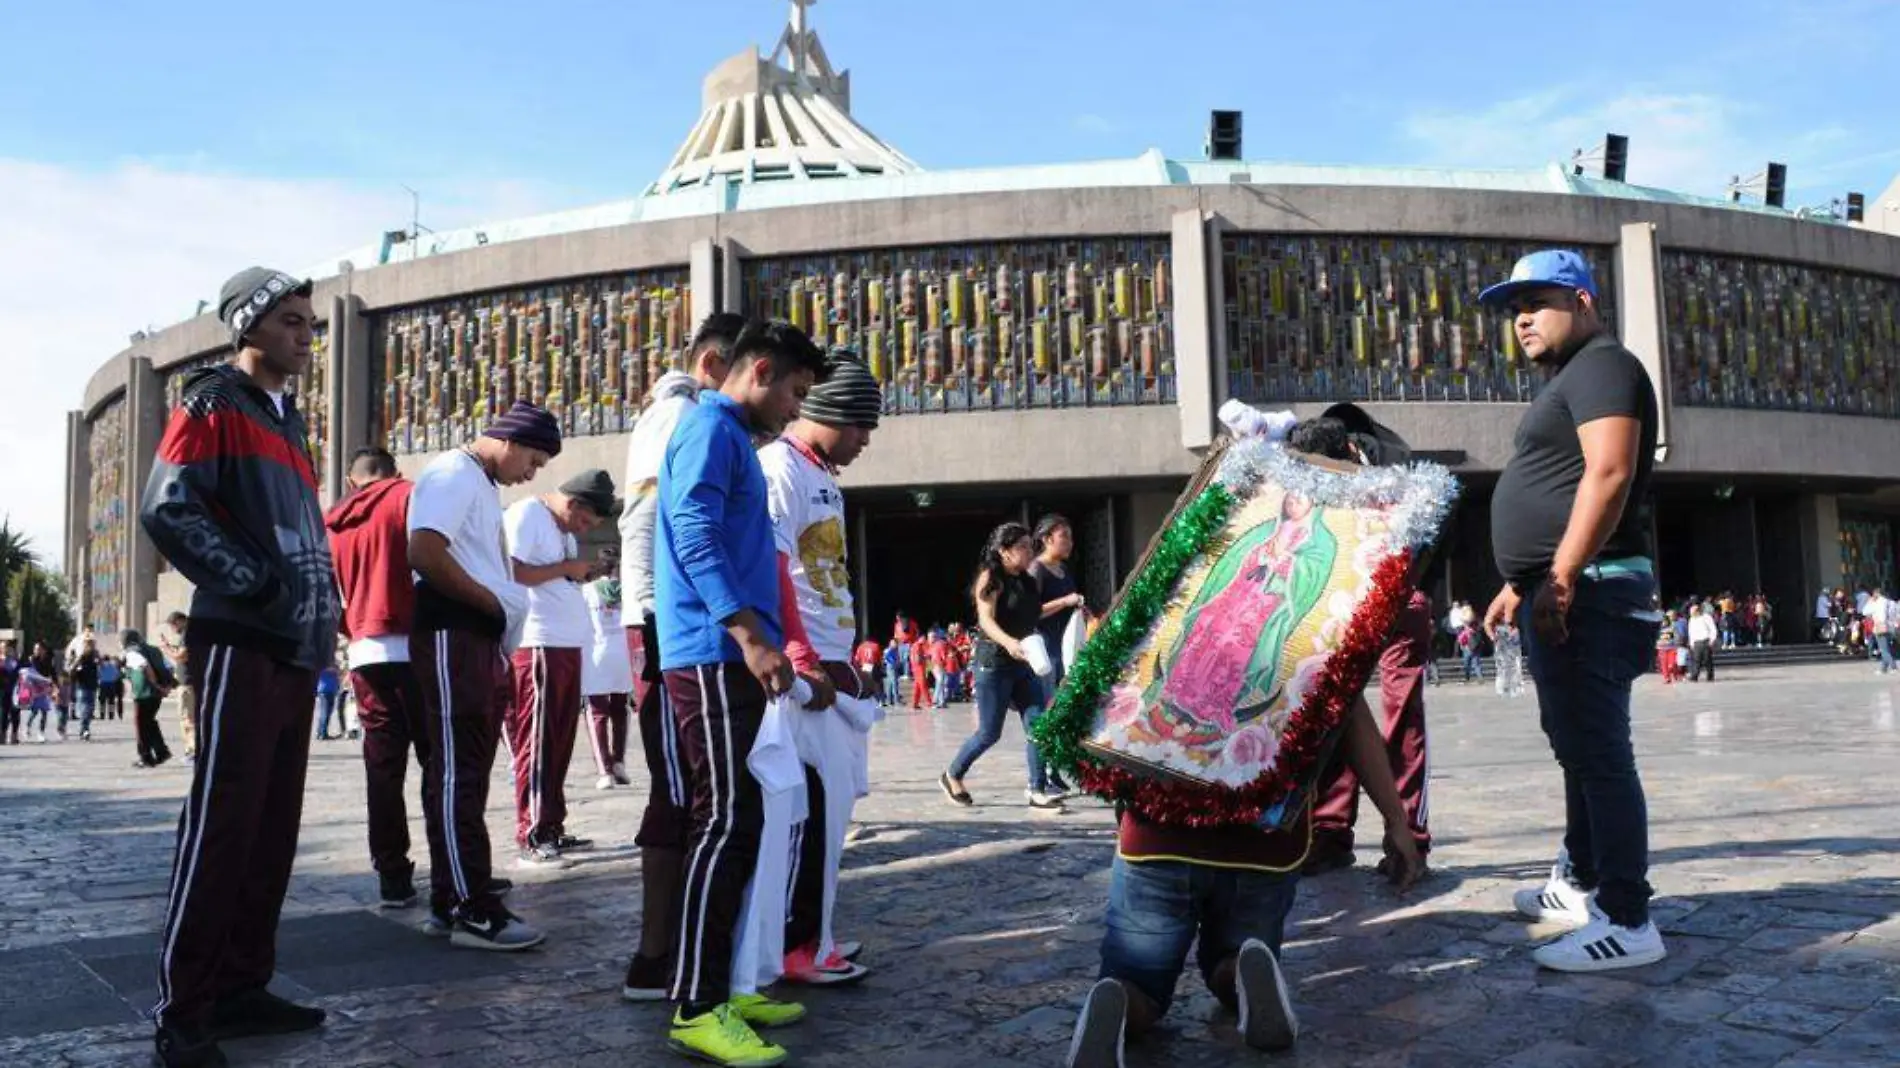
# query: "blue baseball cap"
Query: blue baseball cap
1559,267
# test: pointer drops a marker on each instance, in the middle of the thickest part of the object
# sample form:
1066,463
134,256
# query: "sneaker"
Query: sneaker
1101,1028
1266,1013
397,891
648,979
1602,946
761,1011
259,1012
40,737
185,1046
1043,802
849,950
499,887
1560,901
723,1037
567,841
437,925
605,782
497,931
621,778
541,857
802,966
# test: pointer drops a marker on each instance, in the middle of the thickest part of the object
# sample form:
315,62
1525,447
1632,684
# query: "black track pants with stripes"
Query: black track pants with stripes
718,709
465,685
237,835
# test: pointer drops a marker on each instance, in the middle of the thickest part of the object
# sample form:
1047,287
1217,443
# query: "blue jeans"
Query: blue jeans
1884,642
998,689
1583,701
85,702
891,679
326,704
1156,908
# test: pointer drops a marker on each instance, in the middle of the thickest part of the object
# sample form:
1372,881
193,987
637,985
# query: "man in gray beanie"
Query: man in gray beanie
833,428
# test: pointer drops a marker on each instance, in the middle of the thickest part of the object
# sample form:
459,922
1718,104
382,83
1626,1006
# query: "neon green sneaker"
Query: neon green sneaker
723,1037
761,1011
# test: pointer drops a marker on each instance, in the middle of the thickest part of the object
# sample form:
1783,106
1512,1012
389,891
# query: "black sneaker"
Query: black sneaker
259,1012
398,889
494,929
567,841
543,857
186,1046
647,979
499,887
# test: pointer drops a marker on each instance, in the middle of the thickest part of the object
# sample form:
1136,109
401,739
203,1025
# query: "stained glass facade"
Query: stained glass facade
107,525
585,349
1867,553
1337,317
997,325
1747,333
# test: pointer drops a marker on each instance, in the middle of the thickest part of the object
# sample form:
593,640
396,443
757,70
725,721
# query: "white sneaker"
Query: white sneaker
1560,901
1043,802
1267,1020
1101,1027
605,782
1602,946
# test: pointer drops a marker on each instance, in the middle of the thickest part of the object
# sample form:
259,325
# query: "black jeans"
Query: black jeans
1583,700
151,740
1701,659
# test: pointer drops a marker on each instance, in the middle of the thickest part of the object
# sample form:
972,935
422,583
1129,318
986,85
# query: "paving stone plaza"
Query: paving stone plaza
1772,797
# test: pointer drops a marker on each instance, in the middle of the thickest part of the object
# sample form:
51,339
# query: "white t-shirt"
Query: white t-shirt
1702,629
608,666
381,649
455,498
807,512
557,614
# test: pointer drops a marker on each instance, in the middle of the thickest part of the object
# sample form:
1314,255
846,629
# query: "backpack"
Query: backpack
161,667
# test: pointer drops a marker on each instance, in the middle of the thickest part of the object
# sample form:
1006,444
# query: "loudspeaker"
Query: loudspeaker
1223,135
1616,157
1777,193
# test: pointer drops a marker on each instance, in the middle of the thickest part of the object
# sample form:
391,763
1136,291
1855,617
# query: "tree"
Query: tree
16,555
38,600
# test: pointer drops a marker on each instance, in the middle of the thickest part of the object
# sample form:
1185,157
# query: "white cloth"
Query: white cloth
1702,629
557,615
607,668
835,743
1074,636
455,498
758,953
382,649
673,395
807,511
1036,652
1246,421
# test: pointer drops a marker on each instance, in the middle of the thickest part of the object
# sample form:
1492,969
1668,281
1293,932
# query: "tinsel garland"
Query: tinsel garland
1193,804
1060,731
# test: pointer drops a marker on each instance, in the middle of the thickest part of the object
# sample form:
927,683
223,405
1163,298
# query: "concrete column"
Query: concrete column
1639,309
731,291
1821,545
703,263
861,559
1197,371
144,425
350,388
78,508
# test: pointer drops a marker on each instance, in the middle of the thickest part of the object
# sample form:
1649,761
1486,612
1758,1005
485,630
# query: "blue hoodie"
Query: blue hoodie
713,554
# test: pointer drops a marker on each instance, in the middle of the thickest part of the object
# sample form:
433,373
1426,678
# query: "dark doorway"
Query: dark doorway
922,561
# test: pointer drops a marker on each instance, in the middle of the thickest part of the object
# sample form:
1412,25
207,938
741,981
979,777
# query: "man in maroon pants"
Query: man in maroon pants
469,612
370,541
232,503
545,713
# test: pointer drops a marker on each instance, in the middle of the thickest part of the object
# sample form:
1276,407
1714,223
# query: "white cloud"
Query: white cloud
93,255
1091,123
1686,142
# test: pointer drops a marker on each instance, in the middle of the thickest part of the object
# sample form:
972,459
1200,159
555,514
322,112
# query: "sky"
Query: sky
148,150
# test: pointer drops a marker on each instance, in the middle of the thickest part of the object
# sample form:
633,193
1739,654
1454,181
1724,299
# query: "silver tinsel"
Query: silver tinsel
1420,495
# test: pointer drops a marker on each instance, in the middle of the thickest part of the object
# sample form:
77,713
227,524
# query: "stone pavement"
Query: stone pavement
1771,792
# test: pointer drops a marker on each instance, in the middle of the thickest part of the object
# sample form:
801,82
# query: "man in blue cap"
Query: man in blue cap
1569,527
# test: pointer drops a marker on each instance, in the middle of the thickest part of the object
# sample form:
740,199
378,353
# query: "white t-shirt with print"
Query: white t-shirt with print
608,666
557,614
807,512
454,497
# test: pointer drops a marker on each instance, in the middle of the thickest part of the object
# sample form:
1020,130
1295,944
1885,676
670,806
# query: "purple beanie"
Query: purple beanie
529,426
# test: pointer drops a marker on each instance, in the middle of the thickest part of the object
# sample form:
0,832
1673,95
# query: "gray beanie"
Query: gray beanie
848,395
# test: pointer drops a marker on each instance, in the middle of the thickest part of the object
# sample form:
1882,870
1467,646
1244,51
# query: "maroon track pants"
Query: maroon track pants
389,707
541,723
607,730
1402,715
464,685
237,835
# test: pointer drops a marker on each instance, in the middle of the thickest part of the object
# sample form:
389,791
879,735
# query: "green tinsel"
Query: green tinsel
1059,733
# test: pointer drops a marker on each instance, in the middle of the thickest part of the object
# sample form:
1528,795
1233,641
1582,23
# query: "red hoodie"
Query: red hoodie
369,540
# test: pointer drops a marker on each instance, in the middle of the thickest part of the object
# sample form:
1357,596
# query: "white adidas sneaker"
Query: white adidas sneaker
1602,946
1560,900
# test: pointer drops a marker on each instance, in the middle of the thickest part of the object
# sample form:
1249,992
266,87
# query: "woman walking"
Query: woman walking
1008,607
39,685
1058,591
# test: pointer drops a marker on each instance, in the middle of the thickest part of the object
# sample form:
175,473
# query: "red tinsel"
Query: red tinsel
1179,803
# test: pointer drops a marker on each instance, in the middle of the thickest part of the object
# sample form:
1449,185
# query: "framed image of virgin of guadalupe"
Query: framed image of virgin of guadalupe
1215,688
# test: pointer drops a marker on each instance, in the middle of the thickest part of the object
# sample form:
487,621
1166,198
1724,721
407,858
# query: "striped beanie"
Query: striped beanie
529,426
848,395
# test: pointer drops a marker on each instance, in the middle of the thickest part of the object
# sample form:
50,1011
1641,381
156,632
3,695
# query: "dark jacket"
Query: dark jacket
232,503
369,537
